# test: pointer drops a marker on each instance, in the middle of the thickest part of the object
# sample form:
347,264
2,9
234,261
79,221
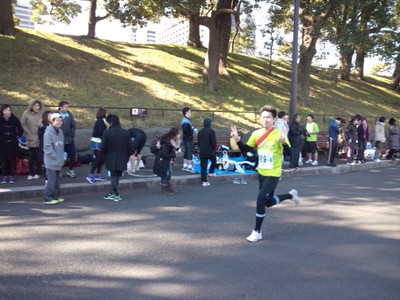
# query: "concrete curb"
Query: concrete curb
14,193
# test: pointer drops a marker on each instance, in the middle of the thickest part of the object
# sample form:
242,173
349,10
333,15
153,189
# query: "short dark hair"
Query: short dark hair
392,121
281,114
310,115
3,107
270,109
295,116
382,119
112,120
62,103
101,113
185,110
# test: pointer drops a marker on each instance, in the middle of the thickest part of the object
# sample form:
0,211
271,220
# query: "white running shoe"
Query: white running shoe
254,236
36,176
377,160
314,163
30,177
295,196
309,161
205,183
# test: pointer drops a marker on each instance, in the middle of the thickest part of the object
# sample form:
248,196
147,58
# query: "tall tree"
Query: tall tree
59,10
93,19
7,25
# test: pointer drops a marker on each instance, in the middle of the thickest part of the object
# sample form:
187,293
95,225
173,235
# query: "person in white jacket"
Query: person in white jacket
380,138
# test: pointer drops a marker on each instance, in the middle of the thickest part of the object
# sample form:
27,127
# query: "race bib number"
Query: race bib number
265,160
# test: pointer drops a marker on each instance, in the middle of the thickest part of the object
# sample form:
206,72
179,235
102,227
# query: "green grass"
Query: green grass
103,73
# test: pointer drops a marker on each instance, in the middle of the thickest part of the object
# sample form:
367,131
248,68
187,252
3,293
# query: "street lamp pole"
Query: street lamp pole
293,84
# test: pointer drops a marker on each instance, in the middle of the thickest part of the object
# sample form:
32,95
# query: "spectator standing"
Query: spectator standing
53,148
10,131
116,147
99,128
46,121
333,132
380,138
207,142
31,122
68,128
341,143
393,139
187,135
169,148
139,138
311,140
294,135
363,137
269,144
351,138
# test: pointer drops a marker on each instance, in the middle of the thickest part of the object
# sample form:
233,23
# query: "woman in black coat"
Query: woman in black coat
170,146
10,131
116,147
207,143
295,131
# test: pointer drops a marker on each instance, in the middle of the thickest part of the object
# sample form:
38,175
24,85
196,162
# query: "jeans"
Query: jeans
167,178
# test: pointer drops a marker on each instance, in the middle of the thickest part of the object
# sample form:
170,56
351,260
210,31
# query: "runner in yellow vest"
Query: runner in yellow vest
269,143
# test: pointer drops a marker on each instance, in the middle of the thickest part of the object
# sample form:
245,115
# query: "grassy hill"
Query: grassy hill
95,73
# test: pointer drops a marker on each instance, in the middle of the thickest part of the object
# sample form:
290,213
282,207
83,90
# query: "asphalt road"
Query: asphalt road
342,242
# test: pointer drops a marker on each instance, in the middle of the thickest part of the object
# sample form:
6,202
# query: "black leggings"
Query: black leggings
266,197
97,163
8,166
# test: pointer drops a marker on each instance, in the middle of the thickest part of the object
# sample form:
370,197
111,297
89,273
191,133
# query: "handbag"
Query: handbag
21,166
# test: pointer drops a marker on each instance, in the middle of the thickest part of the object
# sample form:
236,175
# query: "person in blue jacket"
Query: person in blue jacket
333,131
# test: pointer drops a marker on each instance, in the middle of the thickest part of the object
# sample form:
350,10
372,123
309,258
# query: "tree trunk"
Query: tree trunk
92,20
194,31
307,53
211,63
359,69
345,64
224,25
7,25
396,78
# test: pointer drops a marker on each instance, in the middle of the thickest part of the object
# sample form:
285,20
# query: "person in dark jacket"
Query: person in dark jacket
295,131
207,143
393,139
99,128
139,138
363,137
68,128
351,137
169,148
10,131
116,147
333,132
188,130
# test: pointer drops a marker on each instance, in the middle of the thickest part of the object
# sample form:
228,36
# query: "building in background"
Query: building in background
23,13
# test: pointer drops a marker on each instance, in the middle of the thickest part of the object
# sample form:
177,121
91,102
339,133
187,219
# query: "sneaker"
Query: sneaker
377,160
137,168
205,183
100,178
190,170
36,176
237,181
244,181
109,196
71,173
59,200
254,236
314,163
51,202
117,197
12,179
353,163
4,180
309,161
212,174
295,196
91,179
30,177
